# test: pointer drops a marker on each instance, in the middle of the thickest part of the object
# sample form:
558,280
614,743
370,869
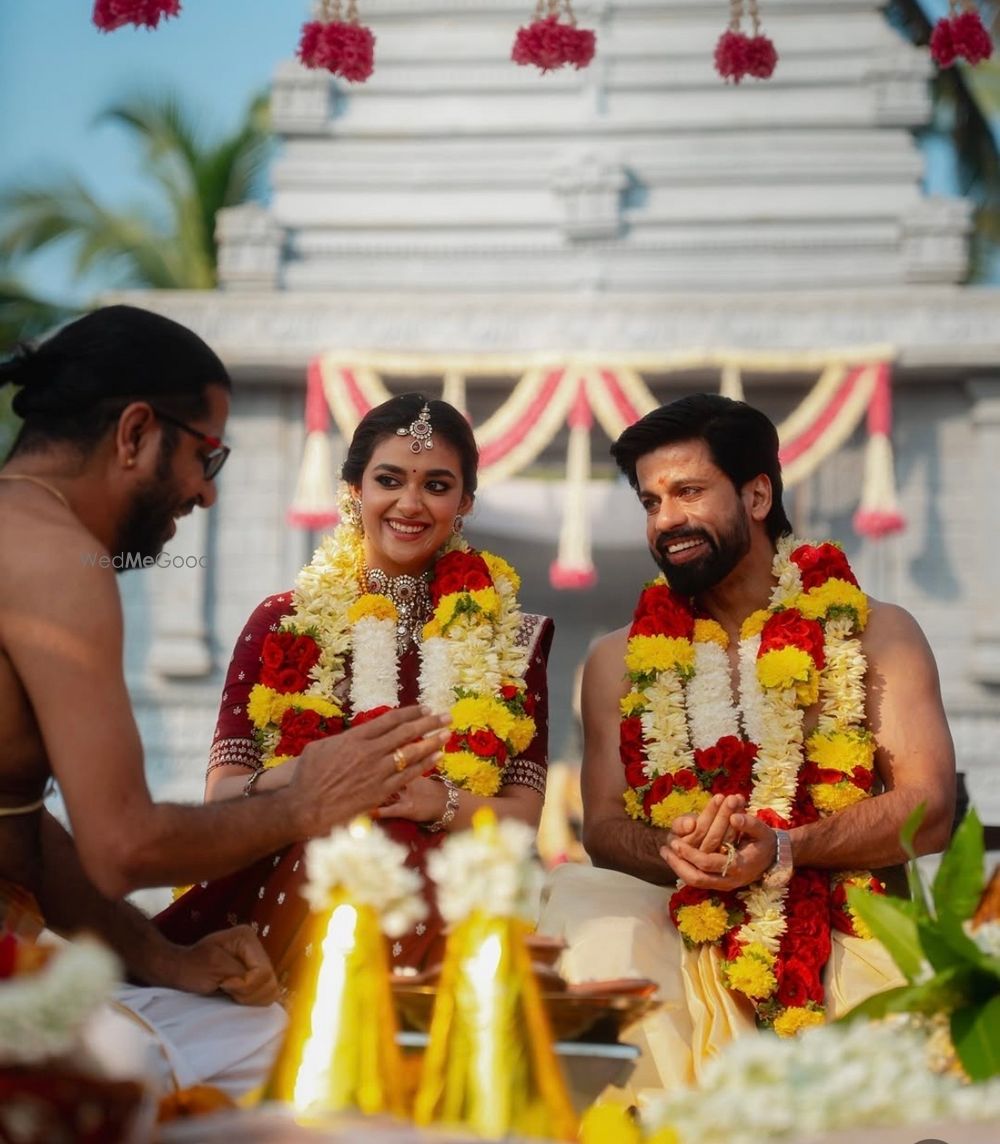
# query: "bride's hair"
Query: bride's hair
447,424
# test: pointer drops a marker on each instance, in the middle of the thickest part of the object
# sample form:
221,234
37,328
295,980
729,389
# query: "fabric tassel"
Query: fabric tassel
340,1050
490,1066
315,502
878,514
573,567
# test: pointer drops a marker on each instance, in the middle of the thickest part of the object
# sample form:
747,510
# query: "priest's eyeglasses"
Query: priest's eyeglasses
217,453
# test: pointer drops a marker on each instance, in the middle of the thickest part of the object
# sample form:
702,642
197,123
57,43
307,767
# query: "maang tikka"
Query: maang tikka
420,430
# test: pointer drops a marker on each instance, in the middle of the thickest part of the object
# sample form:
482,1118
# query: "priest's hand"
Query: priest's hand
230,960
734,865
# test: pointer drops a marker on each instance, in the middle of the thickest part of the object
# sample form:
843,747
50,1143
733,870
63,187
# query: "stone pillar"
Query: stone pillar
985,474
180,648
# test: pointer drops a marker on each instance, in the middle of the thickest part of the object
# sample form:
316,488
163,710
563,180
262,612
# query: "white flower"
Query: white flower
370,869
711,712
493,871
835,1077
374,664
43,1013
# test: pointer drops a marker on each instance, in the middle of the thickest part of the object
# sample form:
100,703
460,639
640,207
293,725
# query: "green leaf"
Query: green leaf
945,945
975,1033
943,993
894,922
907,834
958,884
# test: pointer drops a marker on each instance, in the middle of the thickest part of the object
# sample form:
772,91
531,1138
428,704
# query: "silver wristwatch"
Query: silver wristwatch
779,874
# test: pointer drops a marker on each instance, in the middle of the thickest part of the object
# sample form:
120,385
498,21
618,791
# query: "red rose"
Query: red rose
630,740
285,679
687,896
686,779
709,759
664,613
661,787
730,946
509,691
726,783
301,723
303,653
863,777
459,572
486,745
289,745
808,918
772,818
811,773
274,648
821,562
368,716
803,809
455,743
791,629
635,775
795,983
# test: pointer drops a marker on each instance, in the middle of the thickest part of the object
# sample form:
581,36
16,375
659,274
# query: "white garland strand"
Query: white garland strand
711,712
374,665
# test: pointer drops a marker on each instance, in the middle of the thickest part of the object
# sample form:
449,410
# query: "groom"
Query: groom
735,743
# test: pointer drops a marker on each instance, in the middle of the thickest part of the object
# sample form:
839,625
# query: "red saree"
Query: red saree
266,895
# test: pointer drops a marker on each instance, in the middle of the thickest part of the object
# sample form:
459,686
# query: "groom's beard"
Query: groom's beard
722,555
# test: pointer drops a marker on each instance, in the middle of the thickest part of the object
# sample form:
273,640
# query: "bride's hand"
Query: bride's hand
422,800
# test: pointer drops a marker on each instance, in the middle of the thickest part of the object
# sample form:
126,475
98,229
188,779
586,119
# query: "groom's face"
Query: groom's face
697,524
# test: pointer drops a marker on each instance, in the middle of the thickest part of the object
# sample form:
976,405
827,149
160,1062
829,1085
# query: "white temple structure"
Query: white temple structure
457,208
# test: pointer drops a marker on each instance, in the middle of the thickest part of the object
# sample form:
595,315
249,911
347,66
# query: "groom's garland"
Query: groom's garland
470,661
682,742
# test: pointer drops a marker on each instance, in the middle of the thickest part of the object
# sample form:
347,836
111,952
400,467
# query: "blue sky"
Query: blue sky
57,73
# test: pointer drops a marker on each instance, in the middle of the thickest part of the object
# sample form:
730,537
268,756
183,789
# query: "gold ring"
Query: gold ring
729,850
399,759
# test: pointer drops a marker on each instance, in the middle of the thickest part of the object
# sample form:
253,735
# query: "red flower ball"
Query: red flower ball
549,44
579,45
112,14
486,745
970,38
661,611
459,572
791,629
761,57
635,775
346,50
732,55
943,51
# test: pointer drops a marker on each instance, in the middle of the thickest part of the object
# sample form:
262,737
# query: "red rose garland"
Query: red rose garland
960,35
549,43
345,47
112,14
805,649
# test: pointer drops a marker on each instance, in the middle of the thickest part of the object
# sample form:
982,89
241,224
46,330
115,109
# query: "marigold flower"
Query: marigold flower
753,625
831,797
266,706
648,654
785,667
677,803
794,1020
751,973
500,569
473,773
841,750
709,631
705,922
832,597
374,606
632,704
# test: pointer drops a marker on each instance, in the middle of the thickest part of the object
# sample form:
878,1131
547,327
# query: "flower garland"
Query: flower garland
342,45
470,660
681,743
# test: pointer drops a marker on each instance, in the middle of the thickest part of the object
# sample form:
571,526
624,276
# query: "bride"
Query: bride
395,608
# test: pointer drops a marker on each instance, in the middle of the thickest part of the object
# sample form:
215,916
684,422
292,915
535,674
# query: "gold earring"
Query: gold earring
129,462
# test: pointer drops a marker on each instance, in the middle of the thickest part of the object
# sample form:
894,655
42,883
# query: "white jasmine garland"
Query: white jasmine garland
436,675
374,664
830,1078
371,870
710,709
665,727
42,1013
493,872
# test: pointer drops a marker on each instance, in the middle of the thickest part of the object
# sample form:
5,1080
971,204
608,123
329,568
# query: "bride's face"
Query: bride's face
409,502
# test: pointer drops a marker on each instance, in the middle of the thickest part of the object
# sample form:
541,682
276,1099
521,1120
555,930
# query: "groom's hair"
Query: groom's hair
74,385
742,441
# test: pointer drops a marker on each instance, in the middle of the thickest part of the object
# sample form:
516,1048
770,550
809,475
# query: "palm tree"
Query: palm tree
193,178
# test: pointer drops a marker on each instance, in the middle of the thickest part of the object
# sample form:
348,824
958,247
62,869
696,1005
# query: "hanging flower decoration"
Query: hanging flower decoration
738,55
342,45
112,14
960,35
549,42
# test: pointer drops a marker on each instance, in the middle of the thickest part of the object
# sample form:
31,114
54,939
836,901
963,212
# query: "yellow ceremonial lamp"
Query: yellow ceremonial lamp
490,1065
340,1050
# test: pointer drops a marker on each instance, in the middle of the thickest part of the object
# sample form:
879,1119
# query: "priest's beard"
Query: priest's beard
724,553
148,523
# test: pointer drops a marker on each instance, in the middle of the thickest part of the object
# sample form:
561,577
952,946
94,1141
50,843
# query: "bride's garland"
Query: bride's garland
682,742
470,661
